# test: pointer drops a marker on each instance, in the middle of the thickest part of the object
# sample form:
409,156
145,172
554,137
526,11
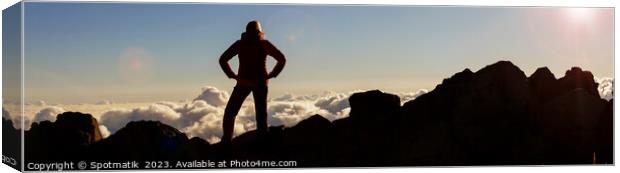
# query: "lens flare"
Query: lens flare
135,65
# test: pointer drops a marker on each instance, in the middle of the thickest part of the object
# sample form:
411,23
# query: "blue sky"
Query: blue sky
78,52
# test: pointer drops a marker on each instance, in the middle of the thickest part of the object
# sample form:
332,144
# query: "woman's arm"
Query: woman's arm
276,54
227,56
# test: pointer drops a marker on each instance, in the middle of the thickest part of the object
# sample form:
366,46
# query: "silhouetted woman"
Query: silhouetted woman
252,76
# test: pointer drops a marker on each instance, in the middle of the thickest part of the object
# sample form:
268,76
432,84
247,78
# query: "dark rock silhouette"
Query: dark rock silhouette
604,135
367,135
312,132
543,85
577,78
494,116
470,119
68,138
11,142
146,141
569,124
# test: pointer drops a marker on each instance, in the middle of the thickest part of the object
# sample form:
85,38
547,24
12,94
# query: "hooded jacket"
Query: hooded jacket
252,50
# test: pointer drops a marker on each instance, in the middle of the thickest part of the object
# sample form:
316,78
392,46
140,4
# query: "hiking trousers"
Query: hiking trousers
240,92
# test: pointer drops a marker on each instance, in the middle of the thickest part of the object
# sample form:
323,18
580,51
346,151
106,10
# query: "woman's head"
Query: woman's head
253,31
253,27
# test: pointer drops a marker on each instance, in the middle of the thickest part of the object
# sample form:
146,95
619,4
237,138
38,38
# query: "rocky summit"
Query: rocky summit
494,116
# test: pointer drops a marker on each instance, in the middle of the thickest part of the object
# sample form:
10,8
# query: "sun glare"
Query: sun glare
579,15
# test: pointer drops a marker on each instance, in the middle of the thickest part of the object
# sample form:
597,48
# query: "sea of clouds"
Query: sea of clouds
202,117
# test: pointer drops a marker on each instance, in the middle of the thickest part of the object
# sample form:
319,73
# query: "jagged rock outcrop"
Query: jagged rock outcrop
366,137
498,116
577,78
470,119
604,135
494,116
308,143
569,127
146,141
68,138
543,85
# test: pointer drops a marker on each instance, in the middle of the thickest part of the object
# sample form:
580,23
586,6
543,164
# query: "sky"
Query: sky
142,52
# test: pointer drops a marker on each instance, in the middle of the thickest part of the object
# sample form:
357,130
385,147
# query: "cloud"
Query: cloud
47,114
202,117
606,87
11,117
333,102
6,114
118,118
213,96
408,96
209,127
104,131
196,118
290,113
195,112
291,97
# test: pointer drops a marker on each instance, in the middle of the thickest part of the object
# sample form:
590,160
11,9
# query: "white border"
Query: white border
582,3
508,169
22,90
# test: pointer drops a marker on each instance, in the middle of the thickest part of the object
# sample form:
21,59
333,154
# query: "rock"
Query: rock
145,141
372,103
569,125
198,148
65,139
604,134
372,133
577,78
543,85
83,128
309,142
494,116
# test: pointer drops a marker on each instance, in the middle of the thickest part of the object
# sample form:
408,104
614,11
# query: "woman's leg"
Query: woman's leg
260,105
232,108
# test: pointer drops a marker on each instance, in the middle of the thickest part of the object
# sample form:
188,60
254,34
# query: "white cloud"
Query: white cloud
197,118
203,116
104,131
13,112
333,102
605,87
213,96
290,113
118,118
10,115
408,96
6,114
48,114
291,97
195,112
